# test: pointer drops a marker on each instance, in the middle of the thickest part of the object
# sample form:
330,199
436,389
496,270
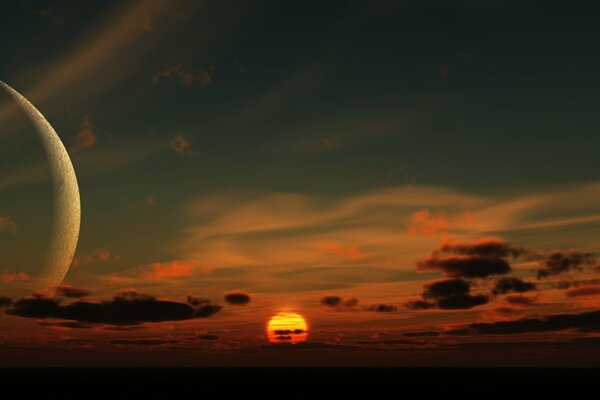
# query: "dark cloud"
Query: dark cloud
68,324
127,308
419,305
512,285
196,301
584,291
558,263
5,301
382,308
448,294
446,288
587,321
73,292
331,301
487,247
340,304
521,300
462,302
479,259
465,266
287,332
237,298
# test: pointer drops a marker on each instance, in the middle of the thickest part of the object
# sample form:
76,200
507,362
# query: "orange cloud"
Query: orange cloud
85,137
101,255
174,269
423,222
350,252
426,223
203,78
8,277
7,224
182,145
584,291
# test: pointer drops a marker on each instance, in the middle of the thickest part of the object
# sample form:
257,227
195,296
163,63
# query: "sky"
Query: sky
417,180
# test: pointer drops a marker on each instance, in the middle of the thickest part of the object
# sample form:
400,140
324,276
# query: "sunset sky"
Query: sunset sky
407,183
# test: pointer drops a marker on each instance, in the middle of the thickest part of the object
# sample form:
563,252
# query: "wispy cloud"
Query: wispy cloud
273,242
173,269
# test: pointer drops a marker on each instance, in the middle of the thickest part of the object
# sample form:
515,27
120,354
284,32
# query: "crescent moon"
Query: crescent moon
67,207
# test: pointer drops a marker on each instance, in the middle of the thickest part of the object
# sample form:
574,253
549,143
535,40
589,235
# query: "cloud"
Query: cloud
173,269
202,78
419,305
8,277
512,284
448,294
197,301
349,252
382,308
288,332
96,256
265,236
427,223
70,291
5,301
584,291
339,304
85,137
237,298
558,263
521,300
181,144
8,224
478,259
423,222
587,321
127,308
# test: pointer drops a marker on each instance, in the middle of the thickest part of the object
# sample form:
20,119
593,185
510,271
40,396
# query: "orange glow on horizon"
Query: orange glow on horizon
287,327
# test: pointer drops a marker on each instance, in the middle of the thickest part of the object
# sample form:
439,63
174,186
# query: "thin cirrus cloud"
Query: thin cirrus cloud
86,137
284,232
426,222
174,269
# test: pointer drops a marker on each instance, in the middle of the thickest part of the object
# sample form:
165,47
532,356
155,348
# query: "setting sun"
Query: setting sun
287,327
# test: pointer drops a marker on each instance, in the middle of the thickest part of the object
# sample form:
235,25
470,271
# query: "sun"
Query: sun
287,327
